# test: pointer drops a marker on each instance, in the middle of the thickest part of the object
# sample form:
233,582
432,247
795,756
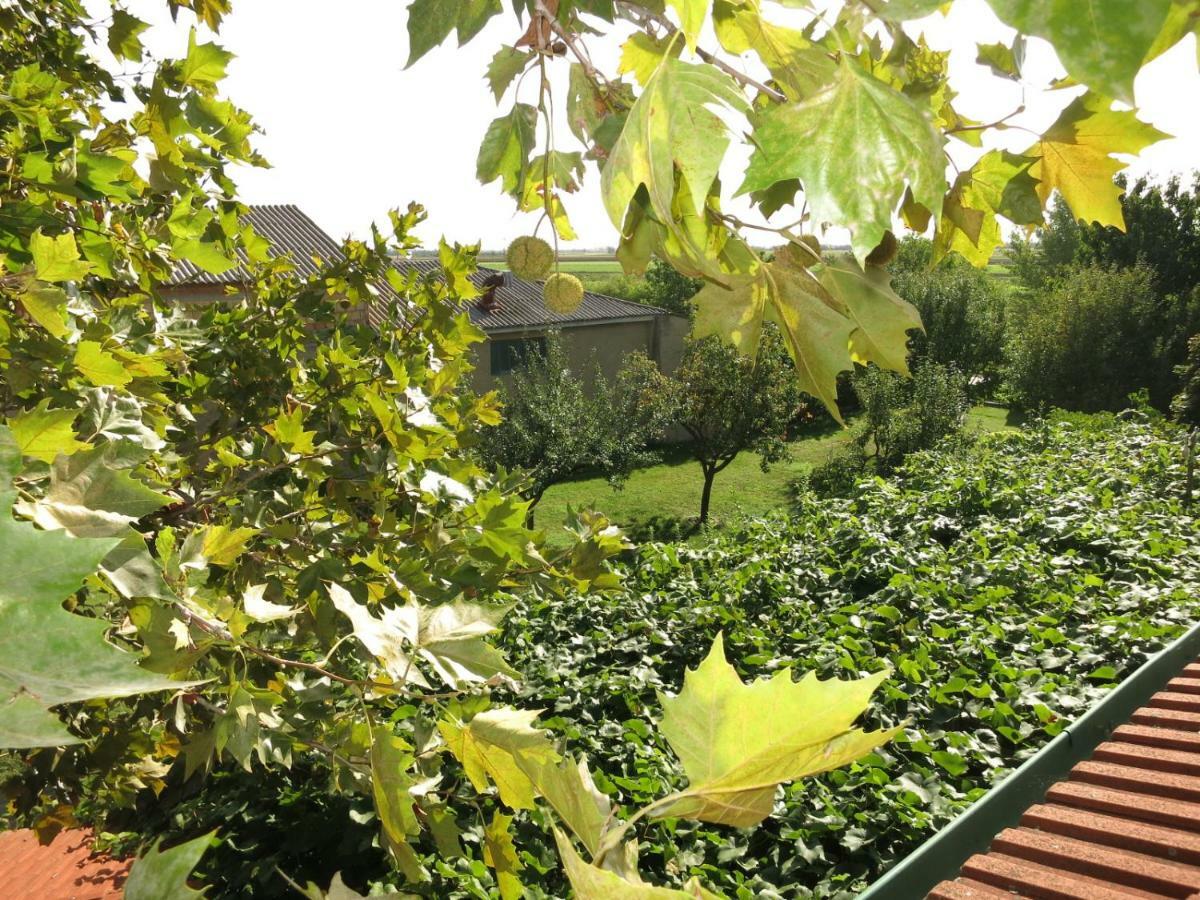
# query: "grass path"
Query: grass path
663,499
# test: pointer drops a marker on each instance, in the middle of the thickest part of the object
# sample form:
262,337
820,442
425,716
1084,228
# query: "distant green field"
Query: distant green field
592,266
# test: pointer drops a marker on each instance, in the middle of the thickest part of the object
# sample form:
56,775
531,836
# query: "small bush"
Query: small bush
1095,337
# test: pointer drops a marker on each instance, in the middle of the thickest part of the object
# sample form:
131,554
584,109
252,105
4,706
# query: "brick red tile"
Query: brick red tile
1149,757
65,869
1139,781
1127,834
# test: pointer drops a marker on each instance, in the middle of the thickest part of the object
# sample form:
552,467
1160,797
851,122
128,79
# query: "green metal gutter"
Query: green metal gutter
942,856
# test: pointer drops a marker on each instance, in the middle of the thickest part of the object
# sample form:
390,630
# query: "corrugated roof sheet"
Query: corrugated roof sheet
1125,823
291,233
518,303
64,869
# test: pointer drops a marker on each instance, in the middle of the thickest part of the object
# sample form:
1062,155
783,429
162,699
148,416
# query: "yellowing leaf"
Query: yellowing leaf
100,367
854,145
262,610
57,258
222,545
641,55
738,742
568,787
1102,43
44,433
497,745
500,853
592,883
797,66
391,759
46,305
1076,157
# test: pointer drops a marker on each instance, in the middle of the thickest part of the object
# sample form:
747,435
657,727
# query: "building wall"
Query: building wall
660,338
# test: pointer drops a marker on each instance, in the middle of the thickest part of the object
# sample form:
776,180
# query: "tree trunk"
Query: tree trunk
533,502
710,475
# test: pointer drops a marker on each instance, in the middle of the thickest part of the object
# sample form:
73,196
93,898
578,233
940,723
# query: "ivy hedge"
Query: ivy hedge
1009,584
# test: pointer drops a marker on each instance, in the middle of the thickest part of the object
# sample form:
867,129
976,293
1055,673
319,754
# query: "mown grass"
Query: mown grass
663,500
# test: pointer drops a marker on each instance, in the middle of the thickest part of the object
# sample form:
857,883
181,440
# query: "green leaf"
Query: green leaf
208,255
89,497
288,429
738,742
46,305
124,35
506,65
1102,43
44,433
1076,157
25,723
506,149
429,23
163,874
854,145
1004,60
904,10
57,258
500,853
568,787
68,659
100,367
642,54
882,317
692,15
498,745
999,184
204,65
671,127
798,66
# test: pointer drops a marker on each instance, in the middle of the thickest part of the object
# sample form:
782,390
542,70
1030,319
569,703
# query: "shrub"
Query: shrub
1096,336
963,311
898,416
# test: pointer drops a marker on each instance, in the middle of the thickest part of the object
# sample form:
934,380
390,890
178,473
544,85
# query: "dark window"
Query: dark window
508,356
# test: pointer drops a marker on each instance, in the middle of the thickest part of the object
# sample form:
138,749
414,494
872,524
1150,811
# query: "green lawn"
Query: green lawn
663,500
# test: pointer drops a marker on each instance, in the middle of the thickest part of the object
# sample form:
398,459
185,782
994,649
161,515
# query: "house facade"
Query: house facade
509,310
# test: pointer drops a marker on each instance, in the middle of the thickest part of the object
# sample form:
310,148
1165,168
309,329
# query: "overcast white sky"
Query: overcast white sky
351,133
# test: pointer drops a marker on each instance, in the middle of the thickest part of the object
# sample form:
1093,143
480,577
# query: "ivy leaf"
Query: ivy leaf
498,745
204,64
1102,43
506,65
70,660
124,36
339,891
692,15
163,874
44,433
500,853
882,317
593,883
57,258
1075,157
672,125
738,742
506,149
100,367
854,145
46,305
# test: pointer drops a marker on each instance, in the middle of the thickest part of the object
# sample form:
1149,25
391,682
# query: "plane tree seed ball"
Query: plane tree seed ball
885,252
563,293
530,258
795,257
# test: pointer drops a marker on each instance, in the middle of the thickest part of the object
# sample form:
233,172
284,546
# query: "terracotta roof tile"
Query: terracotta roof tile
64,869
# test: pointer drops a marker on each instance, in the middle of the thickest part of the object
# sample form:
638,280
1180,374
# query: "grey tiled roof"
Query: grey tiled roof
291,234
518,303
